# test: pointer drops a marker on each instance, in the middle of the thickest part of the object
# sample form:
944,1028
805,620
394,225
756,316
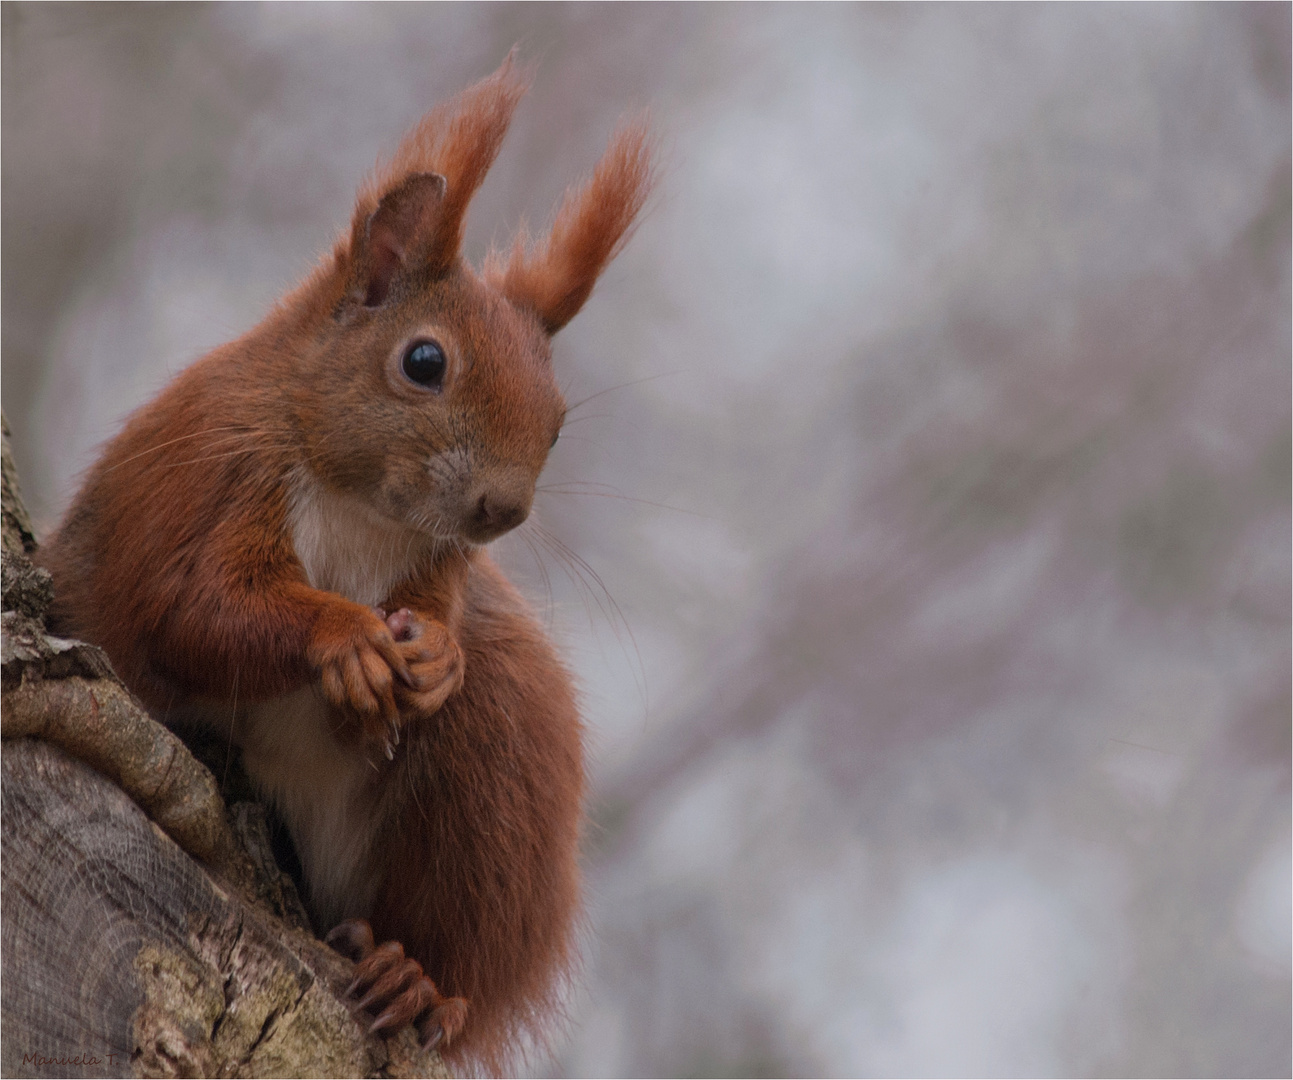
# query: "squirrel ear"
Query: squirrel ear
395,236
409,213
555,277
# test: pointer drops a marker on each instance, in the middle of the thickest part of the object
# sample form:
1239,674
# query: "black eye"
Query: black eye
554,440
424,363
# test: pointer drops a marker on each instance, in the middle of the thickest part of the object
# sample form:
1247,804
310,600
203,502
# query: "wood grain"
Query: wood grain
146,930
119,949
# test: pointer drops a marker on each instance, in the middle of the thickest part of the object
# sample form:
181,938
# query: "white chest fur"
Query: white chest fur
348,548
324,791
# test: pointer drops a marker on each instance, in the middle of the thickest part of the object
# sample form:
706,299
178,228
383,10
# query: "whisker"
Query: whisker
621,386
240,431
565,438
413,790
587,416
560,489
582,588
233,720
543,570
172,442
218,457
614,616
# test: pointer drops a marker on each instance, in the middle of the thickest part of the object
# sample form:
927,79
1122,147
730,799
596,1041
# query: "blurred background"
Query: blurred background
930,498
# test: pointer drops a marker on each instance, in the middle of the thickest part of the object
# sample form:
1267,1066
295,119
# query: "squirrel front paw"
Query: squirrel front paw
358,661
434,659
395,988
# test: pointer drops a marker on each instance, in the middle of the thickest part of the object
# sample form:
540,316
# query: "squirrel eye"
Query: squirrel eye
554,440
425,364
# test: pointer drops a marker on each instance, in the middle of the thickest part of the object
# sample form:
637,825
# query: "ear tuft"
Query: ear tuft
594,223
457,141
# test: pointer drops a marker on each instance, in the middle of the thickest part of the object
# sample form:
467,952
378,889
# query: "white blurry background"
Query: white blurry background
935,631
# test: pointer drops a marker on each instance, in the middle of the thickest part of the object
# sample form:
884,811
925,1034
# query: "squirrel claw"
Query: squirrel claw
443,1023
358,663
395,987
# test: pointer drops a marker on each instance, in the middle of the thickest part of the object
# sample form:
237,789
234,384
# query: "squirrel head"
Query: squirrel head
427,389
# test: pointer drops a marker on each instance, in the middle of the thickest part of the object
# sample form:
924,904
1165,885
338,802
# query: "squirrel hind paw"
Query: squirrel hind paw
442,1025
395,990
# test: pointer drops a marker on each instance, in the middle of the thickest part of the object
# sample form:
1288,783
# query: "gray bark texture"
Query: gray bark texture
147,930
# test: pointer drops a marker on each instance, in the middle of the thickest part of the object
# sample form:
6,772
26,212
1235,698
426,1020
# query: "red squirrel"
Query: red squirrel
236,548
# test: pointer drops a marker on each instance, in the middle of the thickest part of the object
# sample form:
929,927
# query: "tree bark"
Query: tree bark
147,930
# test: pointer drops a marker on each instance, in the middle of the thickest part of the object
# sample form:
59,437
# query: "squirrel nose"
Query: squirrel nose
499,500
495,513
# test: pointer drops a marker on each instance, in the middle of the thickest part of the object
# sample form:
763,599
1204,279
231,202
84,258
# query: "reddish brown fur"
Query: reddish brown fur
594,222
181,557
458,140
